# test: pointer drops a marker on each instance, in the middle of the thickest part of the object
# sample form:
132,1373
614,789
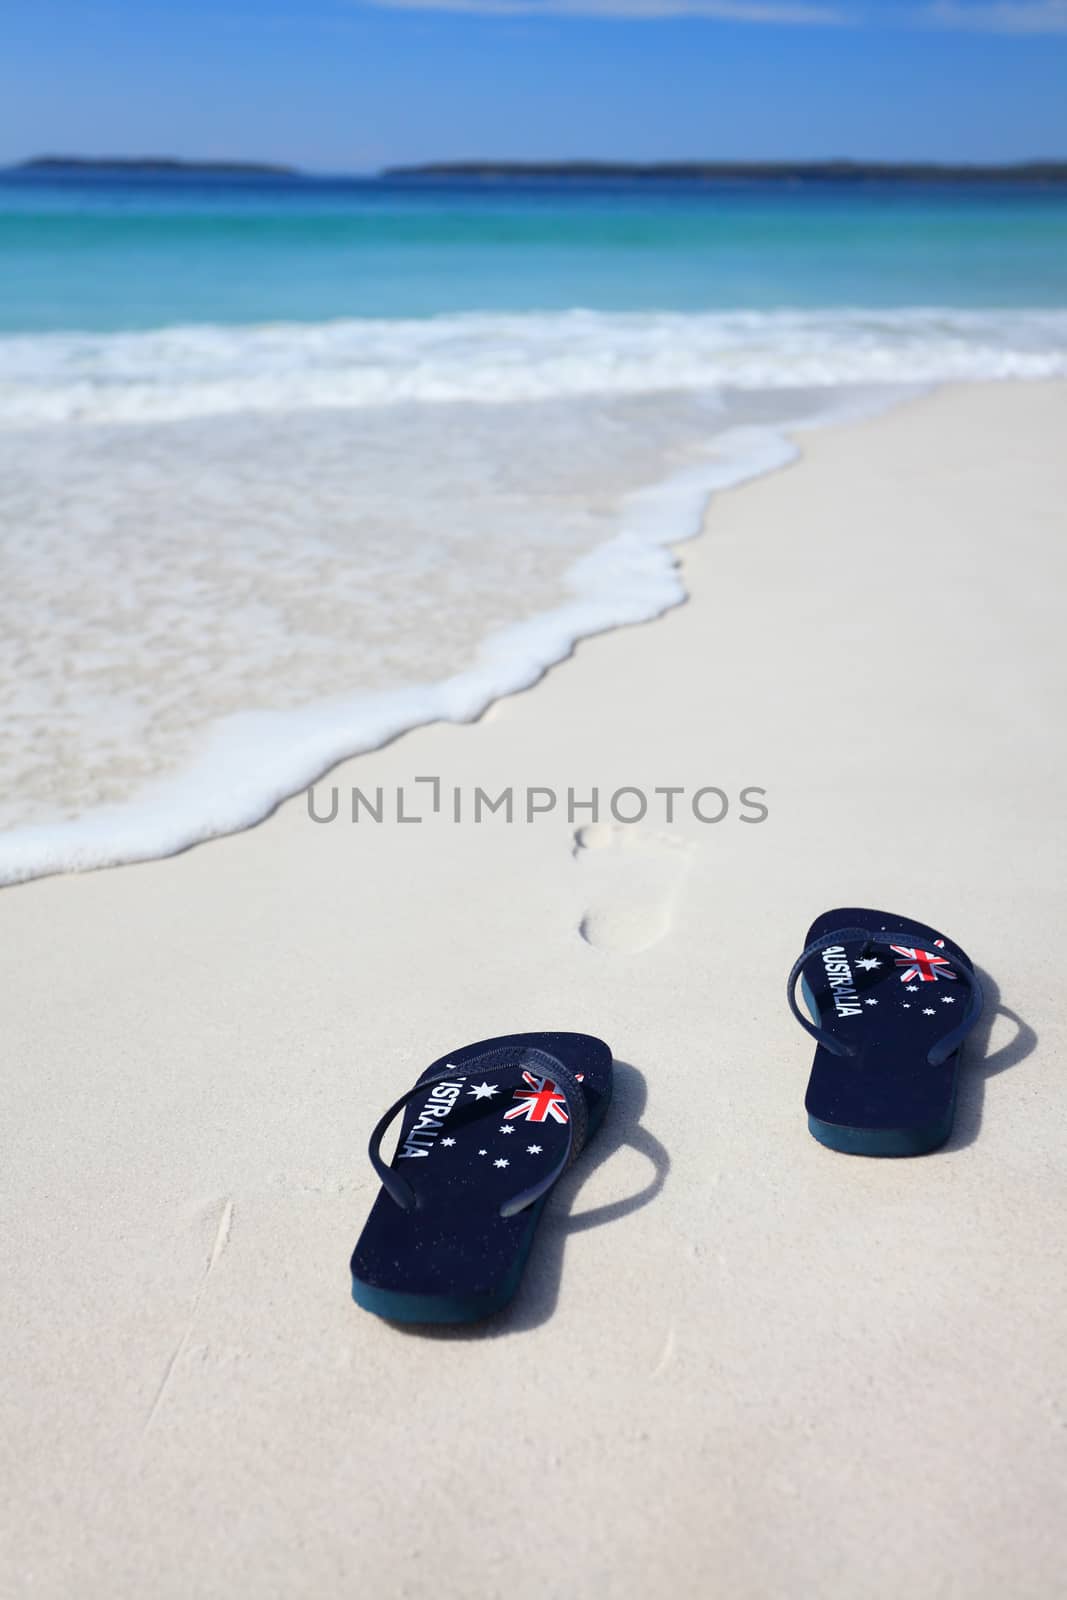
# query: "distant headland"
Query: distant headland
1032,173
754,171
154,165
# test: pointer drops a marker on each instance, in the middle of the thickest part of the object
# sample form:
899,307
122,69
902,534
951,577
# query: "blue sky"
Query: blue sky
352,85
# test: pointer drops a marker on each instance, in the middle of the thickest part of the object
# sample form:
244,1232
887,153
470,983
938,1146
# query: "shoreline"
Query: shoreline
723,1327
631,578
245,765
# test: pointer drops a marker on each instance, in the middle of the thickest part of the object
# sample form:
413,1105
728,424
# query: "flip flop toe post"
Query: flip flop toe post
486,1133
891,1002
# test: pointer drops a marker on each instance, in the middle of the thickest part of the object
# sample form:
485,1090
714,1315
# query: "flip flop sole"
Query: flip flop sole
396,1306
453,1258
884,1098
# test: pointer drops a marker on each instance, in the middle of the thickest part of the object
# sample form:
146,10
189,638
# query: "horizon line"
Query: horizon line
535,165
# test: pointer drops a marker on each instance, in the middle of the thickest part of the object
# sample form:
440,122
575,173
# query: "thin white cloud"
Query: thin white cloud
977,16
1000,16
784,13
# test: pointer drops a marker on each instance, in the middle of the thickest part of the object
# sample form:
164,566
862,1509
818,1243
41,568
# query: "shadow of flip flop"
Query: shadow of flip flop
979,1065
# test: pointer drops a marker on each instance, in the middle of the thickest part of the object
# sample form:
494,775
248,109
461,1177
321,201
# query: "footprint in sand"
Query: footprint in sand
632,881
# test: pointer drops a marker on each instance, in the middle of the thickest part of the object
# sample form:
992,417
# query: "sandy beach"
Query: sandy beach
739,1364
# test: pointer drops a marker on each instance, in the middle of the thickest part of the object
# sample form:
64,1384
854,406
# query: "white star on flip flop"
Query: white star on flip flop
484,1091
907,1007
446,1144
483,1152
505,1127
948,999
533,1149
870,1002
501,1163
868,963
928,1011
913,988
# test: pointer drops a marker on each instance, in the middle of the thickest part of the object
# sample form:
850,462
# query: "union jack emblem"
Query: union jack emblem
539,1102
922,964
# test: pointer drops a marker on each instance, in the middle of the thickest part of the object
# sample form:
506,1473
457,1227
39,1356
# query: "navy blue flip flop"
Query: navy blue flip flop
487,1132
891,1002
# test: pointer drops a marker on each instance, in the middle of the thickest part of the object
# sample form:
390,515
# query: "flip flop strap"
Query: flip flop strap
504,1057
943,1048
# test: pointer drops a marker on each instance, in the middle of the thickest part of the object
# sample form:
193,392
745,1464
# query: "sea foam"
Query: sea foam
503,357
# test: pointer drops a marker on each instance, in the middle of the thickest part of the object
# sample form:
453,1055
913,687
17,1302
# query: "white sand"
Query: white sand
739,1365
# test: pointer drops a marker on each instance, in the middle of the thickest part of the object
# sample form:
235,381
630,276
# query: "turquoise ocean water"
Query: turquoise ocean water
107,254
287,467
